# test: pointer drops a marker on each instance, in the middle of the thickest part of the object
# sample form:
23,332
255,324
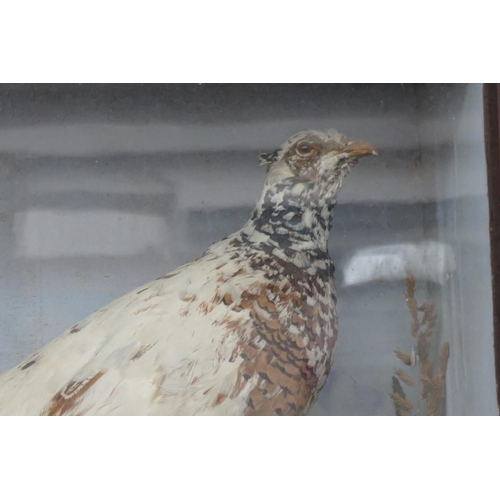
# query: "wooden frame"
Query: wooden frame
491,94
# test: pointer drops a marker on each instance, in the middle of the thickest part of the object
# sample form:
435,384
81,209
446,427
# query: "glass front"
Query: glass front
106,187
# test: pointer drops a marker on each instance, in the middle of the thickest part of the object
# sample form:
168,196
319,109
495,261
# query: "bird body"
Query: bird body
249,328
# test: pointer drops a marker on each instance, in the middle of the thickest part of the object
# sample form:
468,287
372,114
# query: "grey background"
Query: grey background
104,187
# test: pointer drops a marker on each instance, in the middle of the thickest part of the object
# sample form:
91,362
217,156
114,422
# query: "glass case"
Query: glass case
106,187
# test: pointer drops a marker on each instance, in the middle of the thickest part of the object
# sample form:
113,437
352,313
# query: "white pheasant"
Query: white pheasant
249,328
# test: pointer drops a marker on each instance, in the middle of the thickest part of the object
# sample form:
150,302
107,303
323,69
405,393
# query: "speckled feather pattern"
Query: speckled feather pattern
249,328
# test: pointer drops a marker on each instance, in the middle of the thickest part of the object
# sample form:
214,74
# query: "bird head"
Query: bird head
310,166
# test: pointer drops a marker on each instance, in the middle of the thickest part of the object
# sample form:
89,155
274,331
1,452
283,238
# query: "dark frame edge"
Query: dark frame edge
491,99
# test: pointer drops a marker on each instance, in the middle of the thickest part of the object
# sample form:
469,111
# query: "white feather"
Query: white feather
177,373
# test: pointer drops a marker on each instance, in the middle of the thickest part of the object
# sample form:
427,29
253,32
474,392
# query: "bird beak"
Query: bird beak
357,149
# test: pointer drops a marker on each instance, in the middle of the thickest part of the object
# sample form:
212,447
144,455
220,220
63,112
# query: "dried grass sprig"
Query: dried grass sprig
404,377
402,404
403,356
432,386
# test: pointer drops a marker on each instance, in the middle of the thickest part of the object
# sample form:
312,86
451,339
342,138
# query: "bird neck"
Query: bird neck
290,226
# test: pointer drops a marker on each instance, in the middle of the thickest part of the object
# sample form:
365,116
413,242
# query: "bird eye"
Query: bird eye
304,148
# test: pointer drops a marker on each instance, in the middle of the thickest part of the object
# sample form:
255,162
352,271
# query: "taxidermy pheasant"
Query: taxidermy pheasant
249,328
